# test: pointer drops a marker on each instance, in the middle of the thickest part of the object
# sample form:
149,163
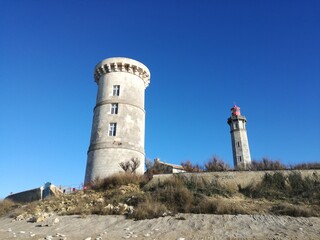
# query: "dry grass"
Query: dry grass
184,194
293,210
303,166
118,180
6,206
148,210
266,164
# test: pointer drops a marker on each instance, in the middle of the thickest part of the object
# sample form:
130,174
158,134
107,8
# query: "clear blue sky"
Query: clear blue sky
203,57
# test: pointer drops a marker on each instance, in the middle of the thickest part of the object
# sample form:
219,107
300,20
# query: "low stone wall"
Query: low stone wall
35,194
233,179
26,196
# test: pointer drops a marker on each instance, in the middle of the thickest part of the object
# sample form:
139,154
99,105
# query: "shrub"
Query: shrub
176,199
205,206
271,186
305,166
304,188
266,164
293,210
149,209
131,165
292,187
203,186
230,208
189,167
6,206
216,165
118,180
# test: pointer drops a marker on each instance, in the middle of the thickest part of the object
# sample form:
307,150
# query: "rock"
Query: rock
60,235
88,238
22,232
20,217
180,238
56,220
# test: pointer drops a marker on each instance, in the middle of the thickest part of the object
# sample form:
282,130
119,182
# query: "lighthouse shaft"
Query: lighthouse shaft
118,126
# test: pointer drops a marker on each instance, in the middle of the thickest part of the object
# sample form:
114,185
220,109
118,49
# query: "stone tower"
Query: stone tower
239,138
118,126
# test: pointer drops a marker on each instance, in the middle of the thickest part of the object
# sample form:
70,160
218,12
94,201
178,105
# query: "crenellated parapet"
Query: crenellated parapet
121,64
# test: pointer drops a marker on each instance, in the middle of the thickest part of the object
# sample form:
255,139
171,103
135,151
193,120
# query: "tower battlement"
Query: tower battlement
121,64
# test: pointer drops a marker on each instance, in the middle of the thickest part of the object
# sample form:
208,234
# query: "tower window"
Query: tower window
116,90
112,129
114,108
240,159
238,143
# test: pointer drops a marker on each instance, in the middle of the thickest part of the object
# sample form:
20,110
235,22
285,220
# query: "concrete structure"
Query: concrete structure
239,138
35,194
118,126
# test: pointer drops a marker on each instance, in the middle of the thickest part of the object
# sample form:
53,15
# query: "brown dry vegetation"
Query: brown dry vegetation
131,195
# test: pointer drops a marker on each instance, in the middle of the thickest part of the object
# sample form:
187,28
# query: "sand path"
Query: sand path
182,226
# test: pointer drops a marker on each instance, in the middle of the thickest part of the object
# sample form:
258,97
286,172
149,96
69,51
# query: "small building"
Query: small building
162,167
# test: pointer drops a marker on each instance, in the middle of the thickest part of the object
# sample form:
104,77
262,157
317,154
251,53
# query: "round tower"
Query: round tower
239,138
118,126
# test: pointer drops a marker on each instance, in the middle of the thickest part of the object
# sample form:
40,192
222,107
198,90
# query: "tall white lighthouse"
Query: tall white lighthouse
118,126
239,138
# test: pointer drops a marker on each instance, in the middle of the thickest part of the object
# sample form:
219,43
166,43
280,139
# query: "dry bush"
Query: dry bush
173,193
189,167
293,210
205,206
293,188
266,164
306,166
176,199
216,165
273,186
203,186
306,189
148,210
6,206
230,208
118,180
131,165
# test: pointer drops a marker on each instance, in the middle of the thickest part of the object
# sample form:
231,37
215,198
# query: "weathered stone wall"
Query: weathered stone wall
26,196
233,179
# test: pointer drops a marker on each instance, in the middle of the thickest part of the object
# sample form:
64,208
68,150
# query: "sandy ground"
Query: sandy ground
182,227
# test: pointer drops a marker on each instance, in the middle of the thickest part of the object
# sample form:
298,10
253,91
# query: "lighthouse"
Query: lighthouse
239,139
118,127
